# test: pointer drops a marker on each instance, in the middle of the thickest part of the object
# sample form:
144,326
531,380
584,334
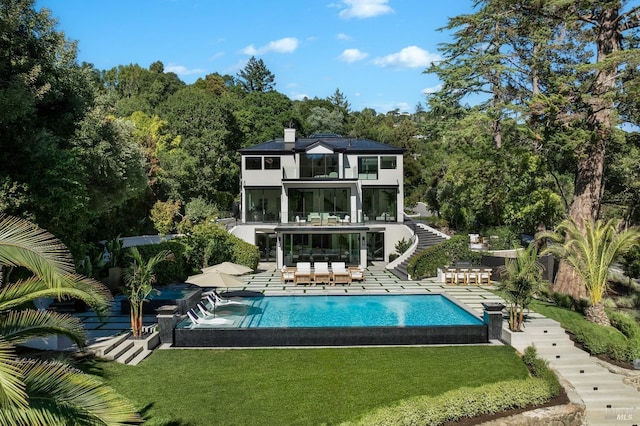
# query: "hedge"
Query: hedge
460,403
168,272
427,262
210,244
471,402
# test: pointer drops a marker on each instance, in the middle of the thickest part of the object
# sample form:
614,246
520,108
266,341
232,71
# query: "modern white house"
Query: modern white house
322,198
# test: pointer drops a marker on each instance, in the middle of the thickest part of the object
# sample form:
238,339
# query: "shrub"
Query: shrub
210,244
167,272
623,322
460,403
402,246
600,340
563,300
540,368
244,253
427,262
502,238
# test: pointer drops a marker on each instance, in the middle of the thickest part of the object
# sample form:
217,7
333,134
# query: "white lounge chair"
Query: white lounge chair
214,303
287,274
340,273
204,312
216,299
321,273
197,320
303,273
357,273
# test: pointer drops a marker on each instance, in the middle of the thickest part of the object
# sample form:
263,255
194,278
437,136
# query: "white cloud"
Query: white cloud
182,70
216,56
409,57
364,8
430,90
298,96
343,36
352,55
284,45
236,67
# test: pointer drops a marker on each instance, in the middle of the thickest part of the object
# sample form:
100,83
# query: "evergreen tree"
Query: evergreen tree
256,77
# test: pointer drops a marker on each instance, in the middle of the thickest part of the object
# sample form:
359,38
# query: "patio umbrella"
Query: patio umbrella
229,268
213,278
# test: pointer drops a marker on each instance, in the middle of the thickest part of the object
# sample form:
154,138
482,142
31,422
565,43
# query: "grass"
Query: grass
573,321
299,386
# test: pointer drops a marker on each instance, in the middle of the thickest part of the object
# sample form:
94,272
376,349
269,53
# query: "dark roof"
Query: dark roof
336,143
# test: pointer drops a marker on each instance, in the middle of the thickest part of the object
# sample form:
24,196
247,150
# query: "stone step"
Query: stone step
119,350
613,416
130,354
103,348
561,360
601,399
140,357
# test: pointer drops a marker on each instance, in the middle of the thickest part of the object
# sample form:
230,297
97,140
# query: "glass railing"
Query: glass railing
263,217
320,218
382,217
294,173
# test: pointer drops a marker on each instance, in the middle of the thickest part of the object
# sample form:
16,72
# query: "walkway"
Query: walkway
607,398
379,280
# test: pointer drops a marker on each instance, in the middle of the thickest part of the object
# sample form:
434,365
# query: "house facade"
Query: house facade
322,198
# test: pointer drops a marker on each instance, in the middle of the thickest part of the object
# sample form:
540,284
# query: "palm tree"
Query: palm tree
591,252
36,392
520,279
139,278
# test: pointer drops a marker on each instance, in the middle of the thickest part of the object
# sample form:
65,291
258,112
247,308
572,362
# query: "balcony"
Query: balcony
293,173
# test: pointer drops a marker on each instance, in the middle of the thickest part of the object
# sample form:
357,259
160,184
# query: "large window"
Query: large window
388,162
367,167
263,205
335,201
318,165
380,204
272,163
253,163
321,248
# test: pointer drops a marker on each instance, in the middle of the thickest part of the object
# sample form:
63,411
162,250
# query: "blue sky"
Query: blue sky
374,51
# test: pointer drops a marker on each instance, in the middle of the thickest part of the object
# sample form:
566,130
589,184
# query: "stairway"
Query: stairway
608,400
426,238
125,350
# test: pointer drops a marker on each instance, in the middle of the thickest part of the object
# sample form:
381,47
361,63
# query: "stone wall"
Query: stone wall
566,415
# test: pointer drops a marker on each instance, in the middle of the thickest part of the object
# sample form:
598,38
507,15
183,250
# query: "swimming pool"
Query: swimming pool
181,296
339,320
356,311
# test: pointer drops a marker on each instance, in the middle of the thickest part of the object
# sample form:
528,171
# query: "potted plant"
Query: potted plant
521,279
139,278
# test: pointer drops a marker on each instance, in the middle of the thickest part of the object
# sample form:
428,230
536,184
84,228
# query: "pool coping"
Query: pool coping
218,337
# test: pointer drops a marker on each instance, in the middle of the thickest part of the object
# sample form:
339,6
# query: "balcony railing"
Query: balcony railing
294,173
320,218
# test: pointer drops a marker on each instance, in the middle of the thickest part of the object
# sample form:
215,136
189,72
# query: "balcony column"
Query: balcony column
284,206
363,249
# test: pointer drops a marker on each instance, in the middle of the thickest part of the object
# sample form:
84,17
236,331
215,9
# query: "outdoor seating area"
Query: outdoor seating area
330,273
323,219
465,275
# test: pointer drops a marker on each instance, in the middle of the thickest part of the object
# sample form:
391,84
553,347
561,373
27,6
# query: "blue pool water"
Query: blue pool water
355,311
170,294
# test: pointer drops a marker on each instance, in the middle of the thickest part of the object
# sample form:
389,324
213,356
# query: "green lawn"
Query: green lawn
299,386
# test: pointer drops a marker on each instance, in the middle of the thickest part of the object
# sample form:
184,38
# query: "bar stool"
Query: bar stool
461,276
450,276
473,276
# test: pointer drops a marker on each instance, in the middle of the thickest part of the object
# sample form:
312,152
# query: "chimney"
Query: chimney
289,135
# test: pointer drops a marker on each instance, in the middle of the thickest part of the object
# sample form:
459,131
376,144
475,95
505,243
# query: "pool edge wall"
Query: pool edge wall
331,336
